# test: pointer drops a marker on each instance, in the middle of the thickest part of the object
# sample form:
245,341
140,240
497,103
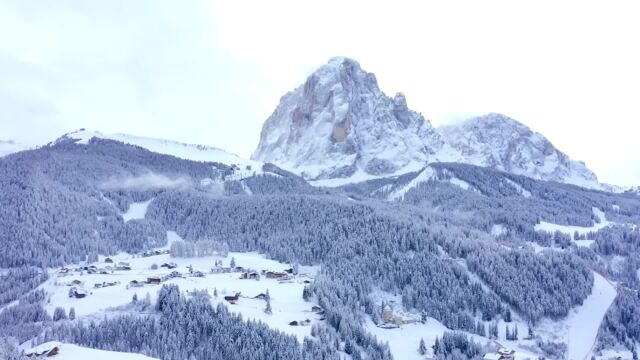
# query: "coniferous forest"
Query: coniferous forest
433,247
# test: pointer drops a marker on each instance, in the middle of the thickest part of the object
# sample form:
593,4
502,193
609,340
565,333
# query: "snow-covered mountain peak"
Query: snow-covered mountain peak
500,142
339,127
339,124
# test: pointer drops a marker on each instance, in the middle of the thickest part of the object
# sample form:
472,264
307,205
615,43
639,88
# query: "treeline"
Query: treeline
496,197
199,248
361,248
457,346
25,319
18,281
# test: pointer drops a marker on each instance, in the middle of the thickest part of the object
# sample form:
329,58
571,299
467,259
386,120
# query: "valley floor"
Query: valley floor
578,330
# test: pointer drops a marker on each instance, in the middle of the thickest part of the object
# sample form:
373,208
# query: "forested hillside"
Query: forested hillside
435,246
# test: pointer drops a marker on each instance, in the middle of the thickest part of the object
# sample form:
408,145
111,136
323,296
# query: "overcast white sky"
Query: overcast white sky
212,72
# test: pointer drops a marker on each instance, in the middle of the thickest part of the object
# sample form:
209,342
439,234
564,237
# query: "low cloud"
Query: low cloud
147,181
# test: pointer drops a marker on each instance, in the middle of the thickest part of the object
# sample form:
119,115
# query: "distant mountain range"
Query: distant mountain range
340,126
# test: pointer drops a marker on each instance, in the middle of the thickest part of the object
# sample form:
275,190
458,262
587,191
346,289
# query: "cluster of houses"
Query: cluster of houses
392,320
93,269
155,279
121,265
281,276
106,284
44,350
316,309
77,293
305,322
501,354
154,253
232,299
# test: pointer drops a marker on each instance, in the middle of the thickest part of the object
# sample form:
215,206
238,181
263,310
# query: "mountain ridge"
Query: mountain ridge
339,127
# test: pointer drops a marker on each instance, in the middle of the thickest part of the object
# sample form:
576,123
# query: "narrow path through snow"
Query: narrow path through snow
584,321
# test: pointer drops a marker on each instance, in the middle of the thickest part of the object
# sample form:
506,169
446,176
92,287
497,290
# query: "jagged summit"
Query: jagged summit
339,124
500,142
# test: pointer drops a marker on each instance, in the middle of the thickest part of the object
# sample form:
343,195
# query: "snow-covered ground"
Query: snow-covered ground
571,230
404,341
174,148
75,352
427,174
526,193
286,297
136,211
580,329
584,321
498,230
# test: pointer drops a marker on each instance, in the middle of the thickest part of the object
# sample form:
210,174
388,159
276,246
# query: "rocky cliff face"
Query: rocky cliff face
502,143
340,125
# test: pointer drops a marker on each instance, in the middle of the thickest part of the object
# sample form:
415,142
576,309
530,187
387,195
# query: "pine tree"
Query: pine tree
72,313
147,300
233,263
134,299
306,293
507,315
436,347
267,309
267,296
348,347
422,349
215,292
59,314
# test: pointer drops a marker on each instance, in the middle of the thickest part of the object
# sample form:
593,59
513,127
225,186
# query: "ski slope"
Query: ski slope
584,321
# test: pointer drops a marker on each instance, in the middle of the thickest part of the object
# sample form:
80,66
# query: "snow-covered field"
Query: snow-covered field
571,230
404,340
286,297
75,352
136,211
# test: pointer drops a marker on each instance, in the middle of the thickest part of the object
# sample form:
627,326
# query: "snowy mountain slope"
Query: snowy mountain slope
9,147
502,143
339,124
339,127
168,147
